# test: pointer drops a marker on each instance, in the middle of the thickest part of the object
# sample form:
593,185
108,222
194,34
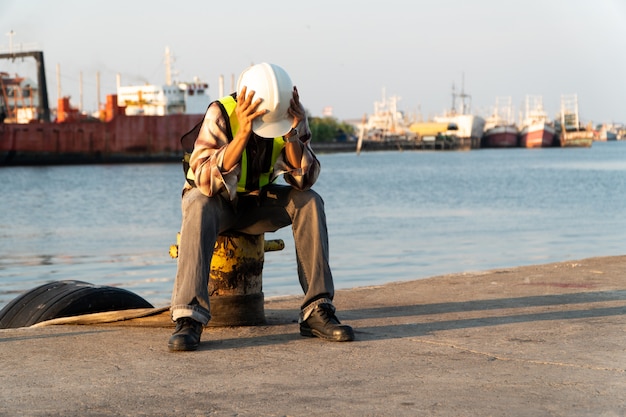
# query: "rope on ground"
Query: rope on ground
104,317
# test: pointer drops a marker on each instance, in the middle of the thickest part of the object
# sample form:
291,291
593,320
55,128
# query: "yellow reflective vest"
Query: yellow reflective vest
258,159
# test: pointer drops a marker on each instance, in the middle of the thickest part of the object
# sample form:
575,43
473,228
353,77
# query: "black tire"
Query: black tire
65,299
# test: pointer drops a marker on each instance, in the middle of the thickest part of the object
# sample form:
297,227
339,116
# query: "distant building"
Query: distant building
152,100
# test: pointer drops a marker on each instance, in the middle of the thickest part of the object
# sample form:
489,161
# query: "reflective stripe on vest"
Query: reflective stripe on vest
265,176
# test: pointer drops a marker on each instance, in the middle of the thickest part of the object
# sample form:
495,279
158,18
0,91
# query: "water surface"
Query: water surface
392,216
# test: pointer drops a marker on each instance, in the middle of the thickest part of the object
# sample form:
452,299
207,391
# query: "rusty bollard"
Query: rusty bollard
236,278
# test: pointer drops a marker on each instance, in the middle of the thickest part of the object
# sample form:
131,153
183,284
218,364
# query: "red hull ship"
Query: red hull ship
500,131
536,131
28,136
537,134
500,137
119,138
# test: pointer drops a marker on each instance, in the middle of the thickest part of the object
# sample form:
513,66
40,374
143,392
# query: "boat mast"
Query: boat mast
462,96
464,108
168,66
453,109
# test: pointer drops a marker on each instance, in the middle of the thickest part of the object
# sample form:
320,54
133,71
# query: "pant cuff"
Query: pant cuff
198,315
305,313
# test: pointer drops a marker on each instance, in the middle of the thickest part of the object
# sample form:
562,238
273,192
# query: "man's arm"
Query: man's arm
300,166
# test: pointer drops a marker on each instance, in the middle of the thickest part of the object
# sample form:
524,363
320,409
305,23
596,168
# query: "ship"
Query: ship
469,127
571,132
435,135
138,124
500,130
387,123
605,132
537,131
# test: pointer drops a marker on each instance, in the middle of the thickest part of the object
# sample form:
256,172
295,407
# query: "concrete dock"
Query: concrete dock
546,340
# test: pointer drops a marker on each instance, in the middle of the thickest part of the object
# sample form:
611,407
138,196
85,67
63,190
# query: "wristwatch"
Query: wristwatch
292,136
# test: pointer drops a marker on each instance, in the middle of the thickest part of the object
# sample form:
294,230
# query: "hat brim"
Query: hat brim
271,129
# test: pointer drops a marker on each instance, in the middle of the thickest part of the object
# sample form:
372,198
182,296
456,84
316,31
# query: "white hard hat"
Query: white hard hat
272,84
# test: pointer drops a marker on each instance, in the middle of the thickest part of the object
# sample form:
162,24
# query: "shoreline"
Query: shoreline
159,316
20,158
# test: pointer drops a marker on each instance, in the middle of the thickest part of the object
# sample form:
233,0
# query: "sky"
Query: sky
343,55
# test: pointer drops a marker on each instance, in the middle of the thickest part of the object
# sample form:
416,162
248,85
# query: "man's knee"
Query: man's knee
196,203
307,197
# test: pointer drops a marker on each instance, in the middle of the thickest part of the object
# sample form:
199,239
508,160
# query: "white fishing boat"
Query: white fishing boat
536,128
469,127
387,122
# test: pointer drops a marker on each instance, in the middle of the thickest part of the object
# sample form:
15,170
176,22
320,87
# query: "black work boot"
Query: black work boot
324,324
186,336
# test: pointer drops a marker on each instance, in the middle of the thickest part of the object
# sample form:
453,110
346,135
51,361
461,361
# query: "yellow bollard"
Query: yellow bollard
235,279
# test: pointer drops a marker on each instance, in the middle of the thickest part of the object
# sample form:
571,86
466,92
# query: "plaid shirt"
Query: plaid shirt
208,154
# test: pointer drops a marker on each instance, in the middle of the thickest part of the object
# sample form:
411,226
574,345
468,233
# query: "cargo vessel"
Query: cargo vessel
139,124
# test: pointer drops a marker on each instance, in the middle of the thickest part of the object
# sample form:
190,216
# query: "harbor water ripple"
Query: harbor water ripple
392,216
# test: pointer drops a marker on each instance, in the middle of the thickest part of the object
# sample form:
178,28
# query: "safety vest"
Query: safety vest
257,160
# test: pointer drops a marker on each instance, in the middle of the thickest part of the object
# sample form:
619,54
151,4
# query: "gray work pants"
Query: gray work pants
277,206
